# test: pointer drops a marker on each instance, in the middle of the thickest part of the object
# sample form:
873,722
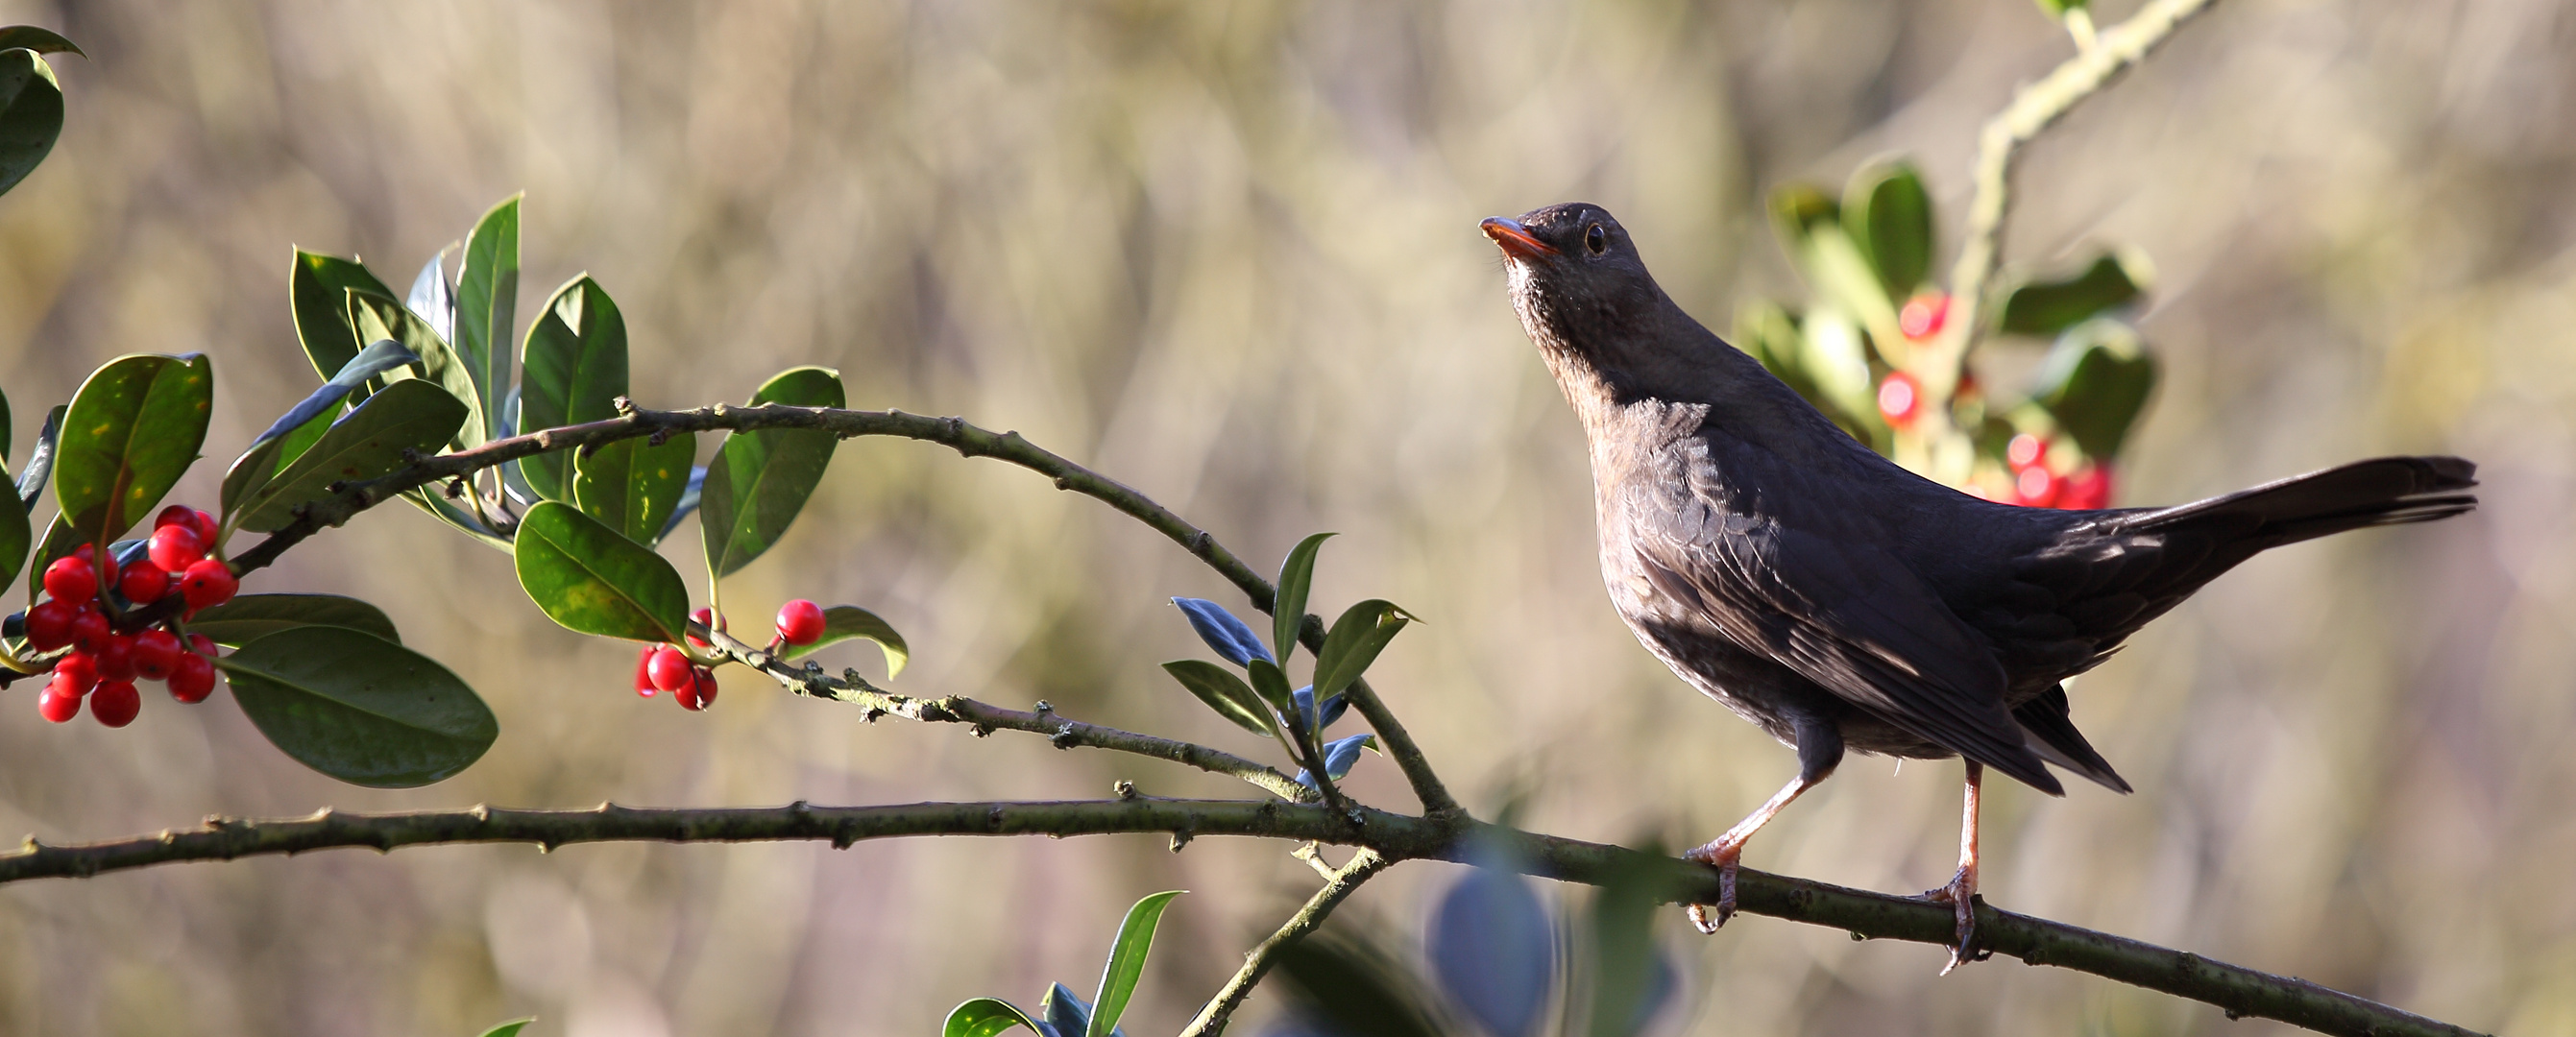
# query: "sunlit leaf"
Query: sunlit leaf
249,617
844,622
590,579
410,416
509,1029
431,299
1271,686
1127,961
1296,574
987,1016
378,318
1797,210
2047,306
358,707
1354,643
1225,693
40,40
689,500
304,424
40,461
575,371
2095,382
1889,217
633,485
487,294
760,479
1229,636
132,430
31,112
320,287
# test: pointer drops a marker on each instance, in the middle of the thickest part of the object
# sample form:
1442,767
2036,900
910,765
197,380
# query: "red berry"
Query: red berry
208,583
49,625
176,514
644,670
78,671
705,618
86,553
116,658
156,653
668,669
2036,487
58,704
192,679
202,645
800,622
115,703
71,579
2025,450
90,630
143,584
1923,315
206,528
1900,398
699,692
2087,490
176,547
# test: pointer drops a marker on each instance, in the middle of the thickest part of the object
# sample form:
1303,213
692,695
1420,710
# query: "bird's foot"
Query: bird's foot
1722,855
1961,895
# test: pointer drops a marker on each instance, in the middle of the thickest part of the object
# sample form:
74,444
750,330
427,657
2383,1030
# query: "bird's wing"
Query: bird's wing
1809,586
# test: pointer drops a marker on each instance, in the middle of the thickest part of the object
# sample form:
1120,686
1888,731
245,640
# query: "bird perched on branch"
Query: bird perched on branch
1842,602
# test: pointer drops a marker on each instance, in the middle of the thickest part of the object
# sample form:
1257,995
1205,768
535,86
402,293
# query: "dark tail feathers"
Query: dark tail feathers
2383,491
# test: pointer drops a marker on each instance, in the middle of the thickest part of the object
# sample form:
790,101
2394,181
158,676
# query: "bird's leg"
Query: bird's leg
1725,850
1961,893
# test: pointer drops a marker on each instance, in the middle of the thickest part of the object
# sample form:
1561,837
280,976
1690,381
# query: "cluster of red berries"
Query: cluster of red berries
669,667
1900,395
2037,485
1923,316
103,663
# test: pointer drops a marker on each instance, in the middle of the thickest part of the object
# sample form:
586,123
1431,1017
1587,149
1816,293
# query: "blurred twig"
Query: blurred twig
2034,108
955,433
1393,837
1337,887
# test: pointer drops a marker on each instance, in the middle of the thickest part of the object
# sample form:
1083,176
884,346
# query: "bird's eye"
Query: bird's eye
1596,239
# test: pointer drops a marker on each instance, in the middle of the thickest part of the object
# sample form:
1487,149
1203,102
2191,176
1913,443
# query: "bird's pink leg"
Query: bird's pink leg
1724,851
1961,893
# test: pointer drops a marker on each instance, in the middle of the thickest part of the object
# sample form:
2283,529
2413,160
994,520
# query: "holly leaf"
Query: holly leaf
132,430
1225,693
320,287
42,41
844,622
40,461
31,111
1288,609
576,370
249,617
987,1016
487,294
2045,307
1354,643
302,425
593,580
358,707
760,479
410,417
379,318
1127,961
1889,216
2095,382
633,485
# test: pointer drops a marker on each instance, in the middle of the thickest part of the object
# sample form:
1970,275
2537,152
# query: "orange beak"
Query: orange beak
1516,240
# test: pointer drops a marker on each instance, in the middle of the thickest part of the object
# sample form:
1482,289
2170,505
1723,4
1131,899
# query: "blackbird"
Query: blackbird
1841,602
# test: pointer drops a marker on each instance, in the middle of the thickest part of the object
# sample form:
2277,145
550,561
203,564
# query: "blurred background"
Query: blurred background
1227,253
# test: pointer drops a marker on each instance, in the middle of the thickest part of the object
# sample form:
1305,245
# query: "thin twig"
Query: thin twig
2239,991
1338,886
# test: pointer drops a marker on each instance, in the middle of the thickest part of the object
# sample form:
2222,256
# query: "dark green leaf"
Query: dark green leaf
16,536
303,424
760,479
1889,216
1225,693
1797,210
249,617
5,430
40,461
59,541
358,707
576,370
591,579
42,41
487,293
31,113
1271,686
378,318
1353,644
986,1016
509,1029
1288,611
434,501
409,415
1127,961
632,485
2095,382
132,430
320,286
2046,307
843,622
688,504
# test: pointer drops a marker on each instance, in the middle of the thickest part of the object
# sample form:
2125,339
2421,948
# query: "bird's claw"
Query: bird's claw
1961,895
1723,858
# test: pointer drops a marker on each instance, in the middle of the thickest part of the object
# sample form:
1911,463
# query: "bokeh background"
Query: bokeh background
1228,254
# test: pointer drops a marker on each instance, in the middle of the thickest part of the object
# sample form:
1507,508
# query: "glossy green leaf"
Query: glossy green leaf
16,536
132,430
249,617
31,113
632,485
843,622
575,371
411,415
760,479
1288,610
303,424
1354,643
40,461
320,287
2046,307
358,707
1127,961
377,318
1225,693
434,500
1270,685
986,1016
6,432
2058,8
59,541
40,40
487,293
509,1029
1889,217
591,579
2095,382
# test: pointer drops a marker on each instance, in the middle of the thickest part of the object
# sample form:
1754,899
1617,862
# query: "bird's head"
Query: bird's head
1576,279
